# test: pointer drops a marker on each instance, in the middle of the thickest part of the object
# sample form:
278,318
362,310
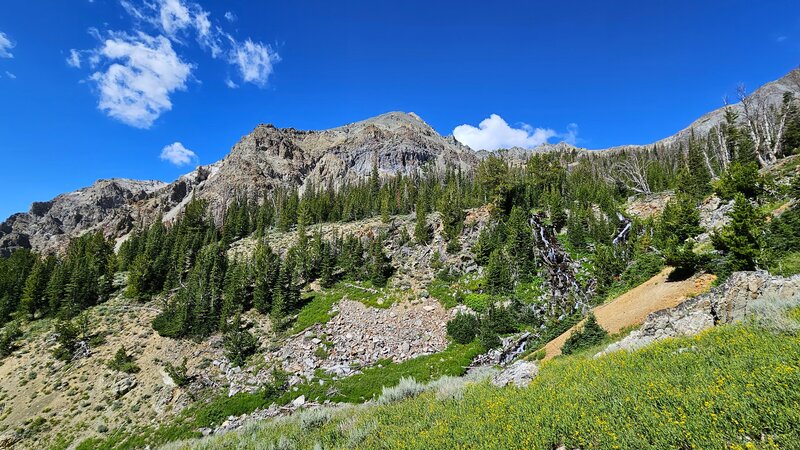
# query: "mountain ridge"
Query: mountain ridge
268,158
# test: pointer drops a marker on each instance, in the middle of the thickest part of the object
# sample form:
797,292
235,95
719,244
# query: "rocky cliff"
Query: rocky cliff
107,205
266,158
270,157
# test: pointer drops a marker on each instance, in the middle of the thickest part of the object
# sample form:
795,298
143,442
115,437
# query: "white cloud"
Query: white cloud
177,154
11,75
780,39
174,16
137,71
5,46
254,61
571,136
494,133
74,59
140,73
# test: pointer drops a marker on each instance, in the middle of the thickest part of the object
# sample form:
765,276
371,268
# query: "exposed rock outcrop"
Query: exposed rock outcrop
520,374
107,206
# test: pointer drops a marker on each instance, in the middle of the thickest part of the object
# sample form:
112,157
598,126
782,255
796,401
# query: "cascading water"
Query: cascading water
568,295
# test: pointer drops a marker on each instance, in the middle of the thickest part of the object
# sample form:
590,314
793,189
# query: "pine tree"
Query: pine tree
498,277
34,298
519,244
742,240
452,215
679,221
327,266
699,175
422,233
742,178
386,211
380,268
239,343
234,300
266,268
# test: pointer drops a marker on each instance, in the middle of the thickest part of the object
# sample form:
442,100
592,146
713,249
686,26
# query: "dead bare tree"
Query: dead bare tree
765,124
632,172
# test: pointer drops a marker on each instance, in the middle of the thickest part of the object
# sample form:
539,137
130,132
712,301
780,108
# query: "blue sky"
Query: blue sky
104,88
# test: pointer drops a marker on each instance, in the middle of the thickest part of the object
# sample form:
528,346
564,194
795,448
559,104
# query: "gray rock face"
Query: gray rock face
519,374
265,159
107,206
269,157
771,93
123,385
724,304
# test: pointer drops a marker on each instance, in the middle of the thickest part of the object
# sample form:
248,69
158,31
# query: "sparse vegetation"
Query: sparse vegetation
123,362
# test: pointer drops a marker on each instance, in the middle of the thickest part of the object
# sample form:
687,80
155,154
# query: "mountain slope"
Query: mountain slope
270,157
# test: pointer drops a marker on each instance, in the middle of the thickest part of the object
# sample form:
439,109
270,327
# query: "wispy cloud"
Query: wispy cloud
780,39
254,61
178,155
11,75
494,133
230,17
74,59
138,74
137,71
5,46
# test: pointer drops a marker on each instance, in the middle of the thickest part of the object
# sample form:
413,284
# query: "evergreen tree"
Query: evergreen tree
742,240
741,178
380,268
34,298
266,268
452,215
498,277
422,234
519,244
327,266
239,343
679,221
697,182
235,296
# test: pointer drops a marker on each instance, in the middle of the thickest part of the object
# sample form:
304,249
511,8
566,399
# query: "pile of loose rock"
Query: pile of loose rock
359,336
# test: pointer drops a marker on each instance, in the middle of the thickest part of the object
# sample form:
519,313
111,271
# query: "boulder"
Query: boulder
519,374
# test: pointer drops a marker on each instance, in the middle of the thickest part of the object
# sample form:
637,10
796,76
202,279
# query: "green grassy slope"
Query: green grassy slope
730,387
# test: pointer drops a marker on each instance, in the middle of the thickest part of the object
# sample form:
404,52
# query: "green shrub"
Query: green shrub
590,334
538,355
178,374
787,265
740,178
406,388
489,338
685,260
239,345
67,339
123,362
463,328
8,338
166,325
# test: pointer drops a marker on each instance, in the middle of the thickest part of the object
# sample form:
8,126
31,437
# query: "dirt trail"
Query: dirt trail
632,307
